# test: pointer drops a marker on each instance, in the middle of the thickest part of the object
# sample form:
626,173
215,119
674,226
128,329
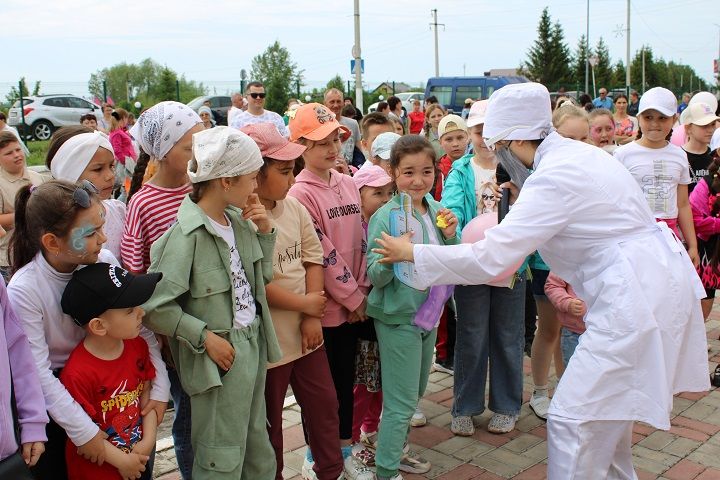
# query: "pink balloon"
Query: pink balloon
474,231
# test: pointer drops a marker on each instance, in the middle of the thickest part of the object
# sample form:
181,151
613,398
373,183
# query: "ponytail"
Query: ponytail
138,174
23,245
47,208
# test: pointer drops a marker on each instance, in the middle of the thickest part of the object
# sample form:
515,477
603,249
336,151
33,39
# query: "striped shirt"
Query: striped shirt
150,213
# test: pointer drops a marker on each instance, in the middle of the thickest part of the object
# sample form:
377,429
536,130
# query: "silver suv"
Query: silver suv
45,113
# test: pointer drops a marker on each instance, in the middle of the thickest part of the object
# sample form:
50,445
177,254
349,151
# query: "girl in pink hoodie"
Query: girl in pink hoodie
570,312
333,201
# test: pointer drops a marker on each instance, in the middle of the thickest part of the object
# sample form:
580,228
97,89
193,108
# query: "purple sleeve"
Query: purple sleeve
705,224
29,398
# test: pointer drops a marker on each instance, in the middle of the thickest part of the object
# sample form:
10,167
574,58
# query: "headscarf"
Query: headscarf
160,127
75,154
223,152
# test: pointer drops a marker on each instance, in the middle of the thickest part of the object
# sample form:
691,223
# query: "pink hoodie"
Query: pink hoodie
335,210
559,292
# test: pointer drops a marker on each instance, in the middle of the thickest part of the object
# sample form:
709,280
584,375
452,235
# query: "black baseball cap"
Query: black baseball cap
94,289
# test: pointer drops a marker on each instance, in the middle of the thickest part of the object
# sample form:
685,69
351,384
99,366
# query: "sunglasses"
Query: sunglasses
257,95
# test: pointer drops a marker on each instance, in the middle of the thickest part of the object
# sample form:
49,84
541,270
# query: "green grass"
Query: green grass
38,150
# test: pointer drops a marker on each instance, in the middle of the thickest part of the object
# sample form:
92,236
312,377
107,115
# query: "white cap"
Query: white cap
660,99
706,98
698,114
519,111
477,113
450,123
383,144
715,141
222,152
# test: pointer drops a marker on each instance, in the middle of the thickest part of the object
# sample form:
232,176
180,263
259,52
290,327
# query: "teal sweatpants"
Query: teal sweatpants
229,430
405,357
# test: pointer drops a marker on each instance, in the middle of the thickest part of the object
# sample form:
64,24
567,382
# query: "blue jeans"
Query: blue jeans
568,343
490,328
181,426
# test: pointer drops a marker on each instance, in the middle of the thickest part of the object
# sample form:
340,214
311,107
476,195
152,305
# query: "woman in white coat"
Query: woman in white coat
583,211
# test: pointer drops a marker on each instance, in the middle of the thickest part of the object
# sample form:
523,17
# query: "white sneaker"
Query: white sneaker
418,419
397,476
356,470
307,470
369,439
540,405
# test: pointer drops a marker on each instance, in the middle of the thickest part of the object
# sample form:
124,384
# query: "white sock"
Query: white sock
540,391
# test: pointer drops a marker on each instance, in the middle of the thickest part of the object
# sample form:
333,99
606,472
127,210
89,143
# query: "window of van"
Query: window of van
473,91
490,91
443,94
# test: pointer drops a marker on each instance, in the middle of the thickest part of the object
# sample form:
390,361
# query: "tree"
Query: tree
14,94
579,60
603,69
336,82
278,73
147,82
549,57
618,73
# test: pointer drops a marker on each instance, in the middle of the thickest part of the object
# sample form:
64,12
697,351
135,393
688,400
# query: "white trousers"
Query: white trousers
589,450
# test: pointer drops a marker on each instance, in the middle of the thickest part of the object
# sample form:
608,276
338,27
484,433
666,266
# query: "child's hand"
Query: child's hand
31,452
358,315
577,307
145,446
312,336
133,464
94,450
255,211
694,256
446,217
220,350
315,304
154,405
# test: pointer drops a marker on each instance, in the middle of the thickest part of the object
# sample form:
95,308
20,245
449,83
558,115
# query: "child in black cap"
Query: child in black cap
109,372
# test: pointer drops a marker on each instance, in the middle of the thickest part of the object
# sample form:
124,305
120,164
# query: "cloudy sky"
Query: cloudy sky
62,42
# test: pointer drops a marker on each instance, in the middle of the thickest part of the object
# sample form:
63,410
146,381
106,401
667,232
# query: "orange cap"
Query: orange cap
314,122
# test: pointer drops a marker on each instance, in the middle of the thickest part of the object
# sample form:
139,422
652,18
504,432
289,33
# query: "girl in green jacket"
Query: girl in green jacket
211,305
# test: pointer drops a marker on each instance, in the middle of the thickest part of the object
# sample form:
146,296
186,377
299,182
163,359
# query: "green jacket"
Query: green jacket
196,294
390,300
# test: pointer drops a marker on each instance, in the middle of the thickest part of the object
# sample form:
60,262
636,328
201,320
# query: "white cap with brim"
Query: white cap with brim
519,111
477,113
698,114
705,97
383,144
715,141
660,99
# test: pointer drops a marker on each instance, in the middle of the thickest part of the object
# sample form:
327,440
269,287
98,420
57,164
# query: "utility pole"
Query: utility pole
627,54
587,48
435,26
358,60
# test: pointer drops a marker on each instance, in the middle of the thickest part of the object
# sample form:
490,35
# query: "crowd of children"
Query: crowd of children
221,266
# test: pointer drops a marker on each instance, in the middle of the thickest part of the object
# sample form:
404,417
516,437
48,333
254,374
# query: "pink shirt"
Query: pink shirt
122,145
560,293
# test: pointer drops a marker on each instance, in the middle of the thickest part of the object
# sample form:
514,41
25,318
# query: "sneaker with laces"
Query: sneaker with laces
356,470
369,440
501,423
462,425
307,470
539,405
411,462
418,419
443,366
366,456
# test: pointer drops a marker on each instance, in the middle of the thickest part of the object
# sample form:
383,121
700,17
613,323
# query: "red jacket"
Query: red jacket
444,166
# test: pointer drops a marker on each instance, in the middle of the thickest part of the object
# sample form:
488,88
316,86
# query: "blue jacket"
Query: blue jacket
459,191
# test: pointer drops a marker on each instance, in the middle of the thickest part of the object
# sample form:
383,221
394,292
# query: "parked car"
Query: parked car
219,105
407,101
46,113
451,92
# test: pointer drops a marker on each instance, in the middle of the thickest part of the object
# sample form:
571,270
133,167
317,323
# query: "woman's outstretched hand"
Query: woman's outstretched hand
395,249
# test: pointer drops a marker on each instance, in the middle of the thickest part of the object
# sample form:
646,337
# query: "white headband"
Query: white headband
160,127
223,152
75,154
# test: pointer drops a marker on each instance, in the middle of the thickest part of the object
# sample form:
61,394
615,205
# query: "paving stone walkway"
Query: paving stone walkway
689,450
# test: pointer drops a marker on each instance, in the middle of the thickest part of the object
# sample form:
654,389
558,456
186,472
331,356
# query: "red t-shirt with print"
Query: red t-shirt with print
109,391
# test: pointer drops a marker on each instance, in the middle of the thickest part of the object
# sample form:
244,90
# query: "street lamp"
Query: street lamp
594,60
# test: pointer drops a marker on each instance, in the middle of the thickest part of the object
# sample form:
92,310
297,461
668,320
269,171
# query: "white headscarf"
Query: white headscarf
223,152
75,154
160,127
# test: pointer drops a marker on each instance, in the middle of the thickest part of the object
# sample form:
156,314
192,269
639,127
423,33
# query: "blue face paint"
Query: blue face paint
79,236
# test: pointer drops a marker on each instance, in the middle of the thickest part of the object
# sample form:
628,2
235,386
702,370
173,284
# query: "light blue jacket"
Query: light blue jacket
459,191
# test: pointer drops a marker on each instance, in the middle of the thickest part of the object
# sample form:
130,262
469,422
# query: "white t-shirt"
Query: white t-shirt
484,195
244,301
433,238
115,212
348,146
245,118
658,171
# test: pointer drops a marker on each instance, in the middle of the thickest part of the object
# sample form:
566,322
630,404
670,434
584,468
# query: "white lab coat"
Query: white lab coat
585,213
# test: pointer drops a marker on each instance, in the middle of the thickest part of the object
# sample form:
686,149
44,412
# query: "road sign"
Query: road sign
362,65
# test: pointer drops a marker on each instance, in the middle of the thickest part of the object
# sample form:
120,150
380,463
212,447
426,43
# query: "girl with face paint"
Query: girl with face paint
645,337
60,228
